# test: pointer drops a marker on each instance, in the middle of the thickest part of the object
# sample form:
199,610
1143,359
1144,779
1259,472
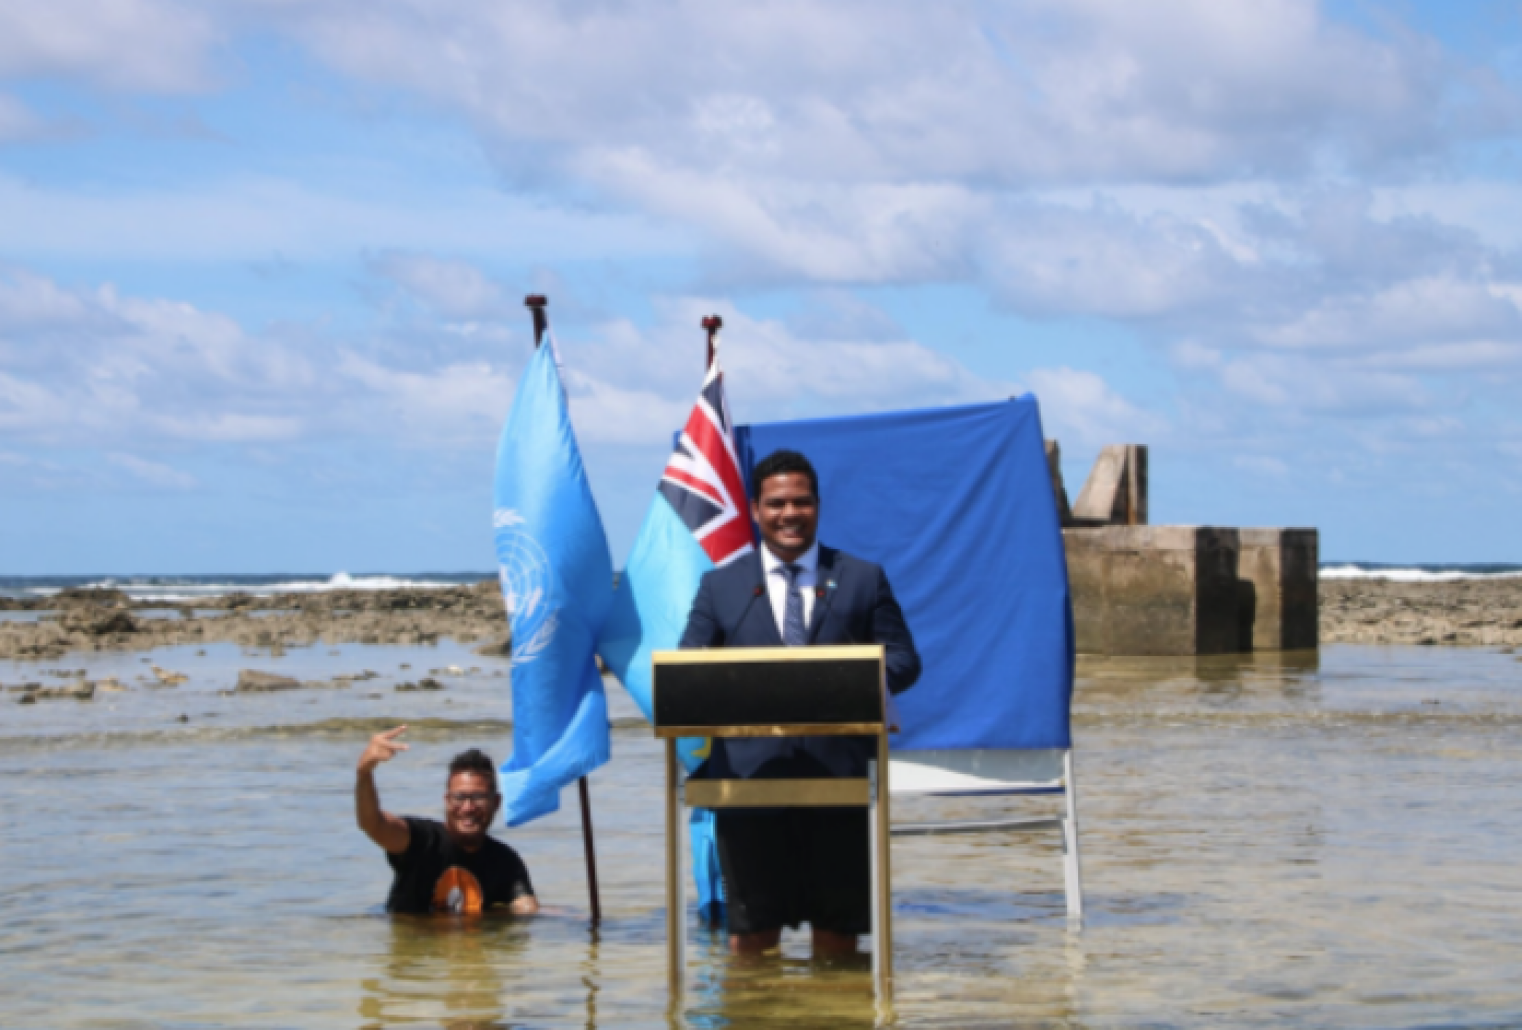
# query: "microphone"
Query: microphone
757,592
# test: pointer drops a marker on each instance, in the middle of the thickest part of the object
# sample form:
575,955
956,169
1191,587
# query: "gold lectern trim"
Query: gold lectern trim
722,655
772,793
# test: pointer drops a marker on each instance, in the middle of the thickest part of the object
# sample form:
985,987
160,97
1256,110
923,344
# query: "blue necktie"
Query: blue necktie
793,632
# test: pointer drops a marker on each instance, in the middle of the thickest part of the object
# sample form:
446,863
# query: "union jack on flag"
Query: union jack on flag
699,519
702,480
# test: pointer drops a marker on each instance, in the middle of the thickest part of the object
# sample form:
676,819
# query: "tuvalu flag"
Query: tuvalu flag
557,582
699,520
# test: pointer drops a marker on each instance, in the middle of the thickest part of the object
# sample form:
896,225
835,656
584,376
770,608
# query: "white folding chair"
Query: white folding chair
995,773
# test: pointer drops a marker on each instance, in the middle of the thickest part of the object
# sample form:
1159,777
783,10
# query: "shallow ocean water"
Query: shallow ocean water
1267,840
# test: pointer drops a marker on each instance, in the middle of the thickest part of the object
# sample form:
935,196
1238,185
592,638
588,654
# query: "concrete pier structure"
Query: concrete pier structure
1115,494
1154,590
1178,590
1278,605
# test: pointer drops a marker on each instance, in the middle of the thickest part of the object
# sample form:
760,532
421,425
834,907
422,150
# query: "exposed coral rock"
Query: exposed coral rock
252,680
94,620
1471,611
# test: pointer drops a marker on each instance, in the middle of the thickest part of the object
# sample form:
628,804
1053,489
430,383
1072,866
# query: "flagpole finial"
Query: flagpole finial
713,323
536,303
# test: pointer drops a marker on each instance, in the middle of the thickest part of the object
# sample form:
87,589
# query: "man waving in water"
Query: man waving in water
453,866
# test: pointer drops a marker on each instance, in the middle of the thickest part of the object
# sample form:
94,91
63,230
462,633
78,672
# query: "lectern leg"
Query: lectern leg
676,926
882,911
882,839
879,841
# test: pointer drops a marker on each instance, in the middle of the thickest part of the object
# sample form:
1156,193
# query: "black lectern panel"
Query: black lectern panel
801,685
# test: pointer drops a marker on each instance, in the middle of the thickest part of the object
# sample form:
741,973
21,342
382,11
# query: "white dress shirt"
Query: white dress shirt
776,582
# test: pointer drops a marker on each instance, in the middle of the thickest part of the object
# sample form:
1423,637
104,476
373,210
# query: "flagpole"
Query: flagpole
713,323
591,852
536,303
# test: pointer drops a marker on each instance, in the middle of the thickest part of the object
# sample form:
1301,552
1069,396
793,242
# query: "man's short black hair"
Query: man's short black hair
474,761
780,463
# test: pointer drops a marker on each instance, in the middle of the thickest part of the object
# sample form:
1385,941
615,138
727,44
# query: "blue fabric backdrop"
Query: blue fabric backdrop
956,504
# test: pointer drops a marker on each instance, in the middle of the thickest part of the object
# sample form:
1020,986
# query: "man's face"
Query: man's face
788,513
470,805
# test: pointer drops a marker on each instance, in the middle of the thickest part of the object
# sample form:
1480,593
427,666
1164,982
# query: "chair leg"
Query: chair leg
1072,868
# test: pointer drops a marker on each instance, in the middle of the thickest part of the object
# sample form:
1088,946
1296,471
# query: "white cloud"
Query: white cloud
250,218
17,122
1035,91
88,367
774,371
1283,381
615,415
96,365
1409,312
1053,260
25,405
1080,408
155,473
148,46
456,402
455,289
856,232
29,301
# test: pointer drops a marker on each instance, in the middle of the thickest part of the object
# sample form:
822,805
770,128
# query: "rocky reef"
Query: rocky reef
1364,611
1467,611
93,619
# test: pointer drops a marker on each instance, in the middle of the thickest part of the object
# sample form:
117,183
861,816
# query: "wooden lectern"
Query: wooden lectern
774,692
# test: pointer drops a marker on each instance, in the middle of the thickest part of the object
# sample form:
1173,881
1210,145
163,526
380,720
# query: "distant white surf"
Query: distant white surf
1418,573
183,589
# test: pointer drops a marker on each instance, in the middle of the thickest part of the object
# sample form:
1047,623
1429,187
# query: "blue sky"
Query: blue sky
262,262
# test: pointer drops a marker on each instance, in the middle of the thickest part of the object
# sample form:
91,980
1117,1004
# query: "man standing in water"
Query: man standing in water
786,866
453,866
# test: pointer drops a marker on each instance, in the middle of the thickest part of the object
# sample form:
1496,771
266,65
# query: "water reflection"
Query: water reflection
779,991
445,971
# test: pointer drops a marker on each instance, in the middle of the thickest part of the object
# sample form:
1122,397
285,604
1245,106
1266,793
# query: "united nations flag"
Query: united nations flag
557,582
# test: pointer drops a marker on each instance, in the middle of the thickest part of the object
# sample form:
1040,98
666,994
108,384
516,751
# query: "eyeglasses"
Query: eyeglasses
459,800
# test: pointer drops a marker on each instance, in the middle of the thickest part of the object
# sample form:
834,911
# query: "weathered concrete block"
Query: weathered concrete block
1088,562
1059,490
1116,491
1154,590
1278,573
1101,492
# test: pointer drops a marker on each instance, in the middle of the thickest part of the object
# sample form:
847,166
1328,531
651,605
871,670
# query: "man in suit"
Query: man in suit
786,866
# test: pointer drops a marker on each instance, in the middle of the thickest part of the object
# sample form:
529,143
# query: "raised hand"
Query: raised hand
382,748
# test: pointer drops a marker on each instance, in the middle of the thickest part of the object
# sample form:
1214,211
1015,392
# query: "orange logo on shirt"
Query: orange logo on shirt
458,891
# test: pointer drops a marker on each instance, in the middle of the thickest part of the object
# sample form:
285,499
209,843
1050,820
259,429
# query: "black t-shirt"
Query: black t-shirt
435,874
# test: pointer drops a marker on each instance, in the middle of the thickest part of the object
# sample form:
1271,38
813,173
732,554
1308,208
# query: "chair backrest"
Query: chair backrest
956,504
974,771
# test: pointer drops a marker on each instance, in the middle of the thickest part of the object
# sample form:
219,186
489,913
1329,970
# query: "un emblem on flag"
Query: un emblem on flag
525,572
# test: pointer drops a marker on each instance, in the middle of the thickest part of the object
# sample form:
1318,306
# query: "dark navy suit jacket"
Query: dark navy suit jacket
853,605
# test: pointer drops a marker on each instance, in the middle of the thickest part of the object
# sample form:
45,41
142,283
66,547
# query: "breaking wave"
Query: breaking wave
1419,573
191,588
